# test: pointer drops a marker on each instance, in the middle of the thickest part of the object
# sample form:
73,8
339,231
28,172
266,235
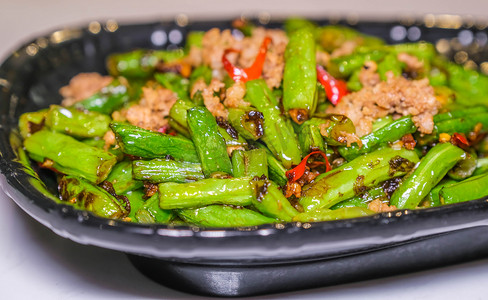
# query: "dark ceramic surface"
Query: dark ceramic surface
226,262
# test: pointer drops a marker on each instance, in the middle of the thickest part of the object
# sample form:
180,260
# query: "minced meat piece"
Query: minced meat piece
368,75
234,95
397,96
83,86
211,96
153,108
379,206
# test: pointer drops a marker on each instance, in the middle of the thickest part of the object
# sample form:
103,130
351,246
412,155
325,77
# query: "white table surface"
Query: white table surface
35,263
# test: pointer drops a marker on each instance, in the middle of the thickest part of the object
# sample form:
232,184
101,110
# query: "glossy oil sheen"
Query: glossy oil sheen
225,261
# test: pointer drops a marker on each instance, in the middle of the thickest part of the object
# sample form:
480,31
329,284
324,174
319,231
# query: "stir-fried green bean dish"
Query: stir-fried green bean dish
306,123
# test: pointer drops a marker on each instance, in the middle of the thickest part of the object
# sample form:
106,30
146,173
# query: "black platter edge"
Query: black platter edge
30,79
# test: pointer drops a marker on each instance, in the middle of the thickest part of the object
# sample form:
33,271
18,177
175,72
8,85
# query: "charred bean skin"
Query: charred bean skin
356,176
271,202
85,195
432,168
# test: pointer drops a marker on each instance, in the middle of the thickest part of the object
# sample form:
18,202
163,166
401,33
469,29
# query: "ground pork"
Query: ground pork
214,43
368,76
274,63
83,86
234,96
397,96
211,96
153,108
379,206
346,48
412,62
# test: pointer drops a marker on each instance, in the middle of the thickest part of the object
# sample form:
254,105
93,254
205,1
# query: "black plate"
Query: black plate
239,261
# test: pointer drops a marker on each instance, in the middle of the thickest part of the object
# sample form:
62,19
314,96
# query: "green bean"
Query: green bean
81,124
278,133
469,189
388,133
85,195
353,83
70,156
232,191
345,65
201,72
277,172
23,159
310,139
481,166
300,76
136,201
460,113
382,122
139,63
174,82
463,124
329,215
150,212
271,202
165,170
223,216
209,143
101,144
471,86
144,143
194,39
433,198
422,50
356,176
107,100
250,163
432,168
465,167
121,178
390,63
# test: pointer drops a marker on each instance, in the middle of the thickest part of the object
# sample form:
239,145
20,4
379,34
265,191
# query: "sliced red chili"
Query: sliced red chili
298,171
334,88
459,139
251,73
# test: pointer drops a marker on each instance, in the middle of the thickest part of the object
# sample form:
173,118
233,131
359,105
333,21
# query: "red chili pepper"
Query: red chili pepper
254,71
459,138
334,88
298,171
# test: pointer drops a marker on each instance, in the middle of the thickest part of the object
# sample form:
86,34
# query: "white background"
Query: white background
37,264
